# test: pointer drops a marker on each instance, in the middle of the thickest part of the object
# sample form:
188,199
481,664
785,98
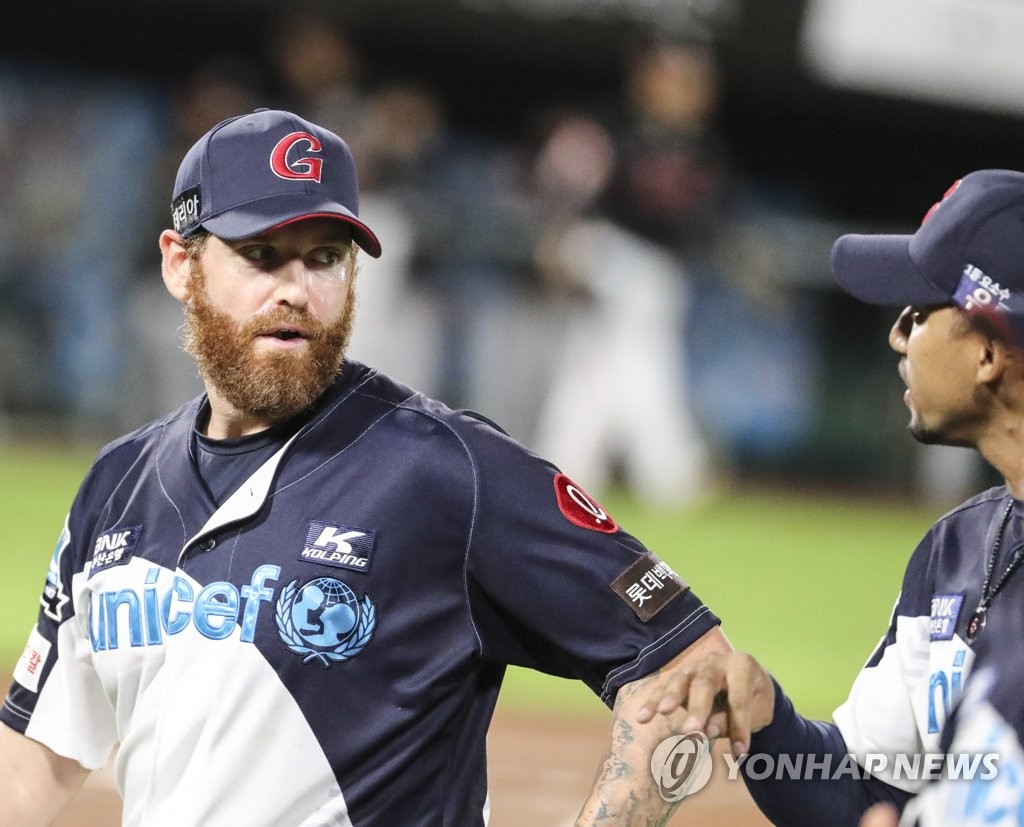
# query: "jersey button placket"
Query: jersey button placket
207,544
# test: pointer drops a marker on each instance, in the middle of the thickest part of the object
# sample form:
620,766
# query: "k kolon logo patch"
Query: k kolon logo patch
342,546
579,508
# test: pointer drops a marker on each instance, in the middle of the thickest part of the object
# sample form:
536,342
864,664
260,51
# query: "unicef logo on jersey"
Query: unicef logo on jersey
324,620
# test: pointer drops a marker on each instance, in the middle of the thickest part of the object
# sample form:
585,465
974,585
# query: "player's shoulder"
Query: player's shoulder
129,456
128,447
951,543
421,410
978,507
455,443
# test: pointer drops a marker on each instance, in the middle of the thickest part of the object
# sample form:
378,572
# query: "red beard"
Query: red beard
276,385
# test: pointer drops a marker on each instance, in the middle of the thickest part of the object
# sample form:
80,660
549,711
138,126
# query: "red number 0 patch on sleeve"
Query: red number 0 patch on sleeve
579,508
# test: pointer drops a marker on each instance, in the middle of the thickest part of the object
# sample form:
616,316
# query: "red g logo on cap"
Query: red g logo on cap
302,168
955,186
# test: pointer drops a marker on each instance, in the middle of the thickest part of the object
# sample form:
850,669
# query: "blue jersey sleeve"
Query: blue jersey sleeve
799,772
555,584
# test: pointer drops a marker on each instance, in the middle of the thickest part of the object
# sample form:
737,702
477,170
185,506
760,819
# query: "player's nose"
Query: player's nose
900,331
292,284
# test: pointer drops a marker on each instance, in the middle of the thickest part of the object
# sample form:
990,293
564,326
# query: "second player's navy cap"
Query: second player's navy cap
968,251
254,173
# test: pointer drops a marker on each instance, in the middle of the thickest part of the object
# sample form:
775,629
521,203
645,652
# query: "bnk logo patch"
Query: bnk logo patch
945,613
114,548
341,546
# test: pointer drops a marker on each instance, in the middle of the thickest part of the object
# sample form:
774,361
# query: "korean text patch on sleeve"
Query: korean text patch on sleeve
648,585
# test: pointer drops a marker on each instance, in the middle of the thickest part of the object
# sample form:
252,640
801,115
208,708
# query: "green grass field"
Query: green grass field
806,583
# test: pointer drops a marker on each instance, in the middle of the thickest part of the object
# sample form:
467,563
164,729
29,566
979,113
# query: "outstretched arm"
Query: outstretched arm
625,794
35,782
725,693
759,718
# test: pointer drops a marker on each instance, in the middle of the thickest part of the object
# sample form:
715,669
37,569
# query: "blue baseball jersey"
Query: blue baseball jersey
903,696
326,645
894,720
981,781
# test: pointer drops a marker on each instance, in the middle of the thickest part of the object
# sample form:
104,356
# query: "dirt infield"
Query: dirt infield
541,768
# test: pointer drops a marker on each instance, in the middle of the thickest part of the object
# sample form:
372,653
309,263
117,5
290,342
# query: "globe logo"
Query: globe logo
324,620
325,612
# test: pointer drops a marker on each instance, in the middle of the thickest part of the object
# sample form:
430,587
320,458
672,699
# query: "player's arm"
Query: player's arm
35,782
730,692
881,815
625,793
722,693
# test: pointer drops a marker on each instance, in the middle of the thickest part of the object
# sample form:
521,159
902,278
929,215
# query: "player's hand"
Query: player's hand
723,693
881,815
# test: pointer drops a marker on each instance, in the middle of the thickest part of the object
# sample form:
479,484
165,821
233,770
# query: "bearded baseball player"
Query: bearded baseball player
959,339
293,600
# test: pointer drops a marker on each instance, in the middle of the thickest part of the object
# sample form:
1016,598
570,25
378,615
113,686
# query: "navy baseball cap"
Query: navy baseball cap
254,173
968,251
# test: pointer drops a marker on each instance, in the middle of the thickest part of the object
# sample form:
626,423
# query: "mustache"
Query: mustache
285,317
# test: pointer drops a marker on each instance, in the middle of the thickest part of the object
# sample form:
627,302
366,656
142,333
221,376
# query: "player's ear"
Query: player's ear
1006,361
994,358
175,264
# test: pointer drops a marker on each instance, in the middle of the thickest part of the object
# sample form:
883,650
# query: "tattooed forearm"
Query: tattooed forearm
624,793
631,811
615,768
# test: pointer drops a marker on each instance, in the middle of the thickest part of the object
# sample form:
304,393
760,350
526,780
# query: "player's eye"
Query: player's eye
326,256
919,314
257,252
330,263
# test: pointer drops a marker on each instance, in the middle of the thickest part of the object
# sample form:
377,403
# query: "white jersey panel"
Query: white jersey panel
271,771
176,707
987,789
73,715
898,706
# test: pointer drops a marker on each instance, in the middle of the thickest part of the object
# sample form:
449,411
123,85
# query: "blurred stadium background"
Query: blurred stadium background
729,141
634,200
